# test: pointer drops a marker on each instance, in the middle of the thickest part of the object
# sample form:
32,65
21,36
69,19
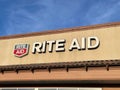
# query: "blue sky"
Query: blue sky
25,16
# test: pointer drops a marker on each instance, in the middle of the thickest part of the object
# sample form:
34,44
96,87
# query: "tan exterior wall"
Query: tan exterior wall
61,74
111,89
109,47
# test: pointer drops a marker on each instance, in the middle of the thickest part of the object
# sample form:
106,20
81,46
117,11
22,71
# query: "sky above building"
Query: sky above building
25,16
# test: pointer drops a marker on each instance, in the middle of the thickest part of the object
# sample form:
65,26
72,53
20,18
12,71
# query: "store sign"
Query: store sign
88,43
21,50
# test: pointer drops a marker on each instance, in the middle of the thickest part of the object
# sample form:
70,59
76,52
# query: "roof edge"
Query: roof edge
99,63
61,30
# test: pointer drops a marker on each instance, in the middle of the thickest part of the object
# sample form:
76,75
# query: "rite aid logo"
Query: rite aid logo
79,44
21,50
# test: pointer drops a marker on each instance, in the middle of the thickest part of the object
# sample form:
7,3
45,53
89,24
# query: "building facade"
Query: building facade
83,57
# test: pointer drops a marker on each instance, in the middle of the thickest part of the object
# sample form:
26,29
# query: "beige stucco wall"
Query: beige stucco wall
111,88
109,47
